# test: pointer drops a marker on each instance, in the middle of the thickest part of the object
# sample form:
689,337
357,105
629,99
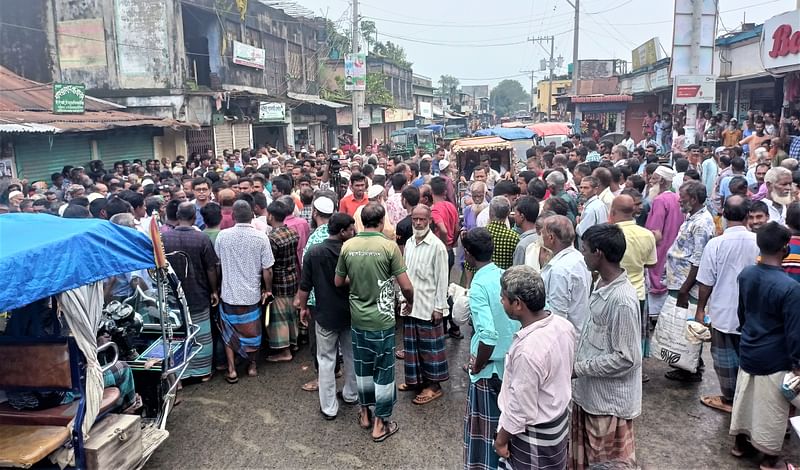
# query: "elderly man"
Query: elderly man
503,238
539,362
371,263
488,348
607,390
246,258
779,193
478,192
199,281
723,259
567,281
594,210
376,194
423,332
664,220
555,183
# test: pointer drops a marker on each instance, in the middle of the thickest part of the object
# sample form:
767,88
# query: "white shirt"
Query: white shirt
594,212
775,214
243,253
567,282
628,143
426,265
483,219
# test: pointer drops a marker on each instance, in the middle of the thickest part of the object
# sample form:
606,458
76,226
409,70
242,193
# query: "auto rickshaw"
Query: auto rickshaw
53,312
407,140
468,152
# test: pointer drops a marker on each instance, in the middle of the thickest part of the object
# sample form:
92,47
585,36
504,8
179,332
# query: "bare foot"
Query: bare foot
251,370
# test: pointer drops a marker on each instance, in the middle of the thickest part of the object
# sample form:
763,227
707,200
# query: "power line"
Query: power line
462,44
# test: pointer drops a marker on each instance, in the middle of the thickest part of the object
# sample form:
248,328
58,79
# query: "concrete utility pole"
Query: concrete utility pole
694,65
533,85
575,63
551,63
355,94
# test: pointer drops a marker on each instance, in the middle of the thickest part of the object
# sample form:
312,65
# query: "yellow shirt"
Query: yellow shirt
640,251
388,229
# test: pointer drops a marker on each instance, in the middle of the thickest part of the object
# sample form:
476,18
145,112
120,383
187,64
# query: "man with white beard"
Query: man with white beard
779,193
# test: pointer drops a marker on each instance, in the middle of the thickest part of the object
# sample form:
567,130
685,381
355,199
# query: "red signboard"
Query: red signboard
687,91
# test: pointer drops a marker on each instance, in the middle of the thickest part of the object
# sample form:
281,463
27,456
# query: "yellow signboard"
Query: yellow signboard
647,54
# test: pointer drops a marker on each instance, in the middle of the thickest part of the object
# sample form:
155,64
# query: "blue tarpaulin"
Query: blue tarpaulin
43,255
507,133
435,127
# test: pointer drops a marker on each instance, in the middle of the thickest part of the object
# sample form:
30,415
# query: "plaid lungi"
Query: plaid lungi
201,364
543,445
120,375
425,359
283,323
373,360
596,439
240,326
480,424
725,353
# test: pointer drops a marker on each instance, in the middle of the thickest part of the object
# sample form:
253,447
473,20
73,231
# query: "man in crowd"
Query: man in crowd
394,203
282,329
779,193
769,302
488,348
607,390
504,239
296,224
567,281
724,257
201,188
791,264
405,228
555,183
370,263
594,210
199,281
423,332
533,429
358,197
246,258
525,215
331,317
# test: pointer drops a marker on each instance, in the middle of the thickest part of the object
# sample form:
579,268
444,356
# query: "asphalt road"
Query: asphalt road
269,422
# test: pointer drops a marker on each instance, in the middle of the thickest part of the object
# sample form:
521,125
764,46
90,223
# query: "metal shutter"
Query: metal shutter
241,136
37,157
223,138
198,141
125,145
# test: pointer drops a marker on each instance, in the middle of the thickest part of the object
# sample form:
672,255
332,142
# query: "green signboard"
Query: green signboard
68,98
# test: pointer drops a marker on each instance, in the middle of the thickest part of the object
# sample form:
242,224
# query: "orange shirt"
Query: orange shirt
348,204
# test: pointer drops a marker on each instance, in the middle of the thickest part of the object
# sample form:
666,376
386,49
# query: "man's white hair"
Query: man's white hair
774,174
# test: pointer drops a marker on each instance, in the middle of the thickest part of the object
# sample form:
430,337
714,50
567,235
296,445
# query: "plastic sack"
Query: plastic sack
669,342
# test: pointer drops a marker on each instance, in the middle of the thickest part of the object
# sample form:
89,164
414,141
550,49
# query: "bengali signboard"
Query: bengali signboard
69,98
271,112
249,56
694,89
647,54
355,72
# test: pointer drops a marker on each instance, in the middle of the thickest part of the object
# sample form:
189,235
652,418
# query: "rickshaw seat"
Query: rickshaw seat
55,416
23,446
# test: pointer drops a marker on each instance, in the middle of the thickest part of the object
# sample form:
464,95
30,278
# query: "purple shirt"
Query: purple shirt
299,225
666,217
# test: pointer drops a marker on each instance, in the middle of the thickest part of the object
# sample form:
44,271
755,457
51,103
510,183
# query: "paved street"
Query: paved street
268,422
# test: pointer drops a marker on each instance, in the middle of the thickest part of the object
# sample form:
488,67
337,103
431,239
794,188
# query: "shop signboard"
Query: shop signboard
355,71
694,89
248,56
398,115
271,112
647,54
425,109
69,98
376,115
780,42
684,24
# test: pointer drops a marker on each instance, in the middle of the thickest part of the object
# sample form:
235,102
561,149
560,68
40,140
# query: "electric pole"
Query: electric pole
551,40
355,94
575,62
694,65
533,78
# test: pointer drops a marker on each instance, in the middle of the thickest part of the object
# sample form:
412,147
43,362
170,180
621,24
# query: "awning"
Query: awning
314,99
601,98
40,121
480,144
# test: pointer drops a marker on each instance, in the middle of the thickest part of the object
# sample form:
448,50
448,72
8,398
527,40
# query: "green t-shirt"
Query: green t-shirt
371,261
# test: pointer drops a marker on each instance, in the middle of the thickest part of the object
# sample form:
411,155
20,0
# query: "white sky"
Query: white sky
444,36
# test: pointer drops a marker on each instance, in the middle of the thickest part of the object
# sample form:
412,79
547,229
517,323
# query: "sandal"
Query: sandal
680,375
312,386
407,388
206,378
390,428
455,333
231,379
424,398
369,416
716,402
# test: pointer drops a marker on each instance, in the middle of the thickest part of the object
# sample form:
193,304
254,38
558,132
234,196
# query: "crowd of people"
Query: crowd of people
565,268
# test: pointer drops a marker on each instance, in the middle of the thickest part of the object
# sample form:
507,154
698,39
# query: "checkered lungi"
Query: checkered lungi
425,356
480,424
373,360
596,439
120,375
283,323
240,326
725,353
543,445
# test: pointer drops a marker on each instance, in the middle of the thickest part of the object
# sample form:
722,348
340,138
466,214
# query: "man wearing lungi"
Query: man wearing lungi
246,258
423,332
283,319
534,401
769,312
370,263
488,347
607,390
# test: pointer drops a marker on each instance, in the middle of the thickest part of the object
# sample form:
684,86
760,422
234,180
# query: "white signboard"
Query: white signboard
780,42
683,26
425,109
249,56
694,89
268,111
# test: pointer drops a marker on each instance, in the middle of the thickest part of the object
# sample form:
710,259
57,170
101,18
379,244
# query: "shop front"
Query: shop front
780,54
606,113
269,129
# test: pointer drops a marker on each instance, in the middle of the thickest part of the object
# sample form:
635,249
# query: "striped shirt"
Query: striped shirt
426,264
791,264
608,363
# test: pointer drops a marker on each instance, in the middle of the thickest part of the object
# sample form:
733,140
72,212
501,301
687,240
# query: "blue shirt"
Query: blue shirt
769,312
492,325
198,218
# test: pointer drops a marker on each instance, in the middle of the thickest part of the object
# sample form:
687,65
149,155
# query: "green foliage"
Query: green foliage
339,43
369,32
376,92
506,97
448,87
391,51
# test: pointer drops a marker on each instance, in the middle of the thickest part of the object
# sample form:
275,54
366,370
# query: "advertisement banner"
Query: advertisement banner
425,110
780,42
355,72
683,26
249,56
268,111
694,89
647,54
68,98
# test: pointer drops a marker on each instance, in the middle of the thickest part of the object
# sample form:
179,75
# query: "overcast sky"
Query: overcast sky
450,36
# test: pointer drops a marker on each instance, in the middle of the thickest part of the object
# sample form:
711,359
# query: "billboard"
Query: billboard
476,91
694,89
68,98
249,56
595,69
270,111
780,42
686,29
425,110
355,71
647,54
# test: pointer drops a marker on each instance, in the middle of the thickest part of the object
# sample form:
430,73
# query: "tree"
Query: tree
508,96
376,92
448,87
369,32
339,43
393,52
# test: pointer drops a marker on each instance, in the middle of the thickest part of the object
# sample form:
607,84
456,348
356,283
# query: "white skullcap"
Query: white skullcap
443,164
324,205
665,172
94,196
374,191
379,172
14,194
